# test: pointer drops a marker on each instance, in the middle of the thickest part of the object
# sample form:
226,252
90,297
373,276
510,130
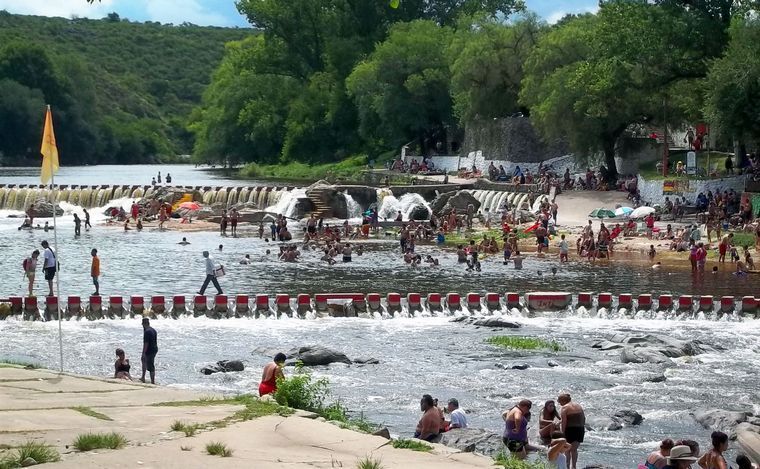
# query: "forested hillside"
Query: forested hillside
120,91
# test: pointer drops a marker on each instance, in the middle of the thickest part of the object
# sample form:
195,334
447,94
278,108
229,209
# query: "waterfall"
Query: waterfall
287,202
488,201
243,195
390,205
252,196
137,193
353,208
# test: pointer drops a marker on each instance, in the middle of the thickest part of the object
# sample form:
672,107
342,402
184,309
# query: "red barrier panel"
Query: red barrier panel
74,300
373,298
604,300
394,298
434,298
706,303
303,299
262,301
645,301
513,300
220,300
414,298
584,299
96,300
51,300
200,300
473,298
727,303
137,300
453,300
241,299
282,299
157,300
179,300
625,300
749,304
116,301
325,297
685,302
548,300
665,301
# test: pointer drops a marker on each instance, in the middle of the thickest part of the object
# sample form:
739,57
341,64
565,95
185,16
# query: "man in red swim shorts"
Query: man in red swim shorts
272,372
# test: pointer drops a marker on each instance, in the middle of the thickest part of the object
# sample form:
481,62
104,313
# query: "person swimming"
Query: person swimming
184,242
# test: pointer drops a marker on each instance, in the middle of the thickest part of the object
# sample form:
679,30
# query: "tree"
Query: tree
593,76
733,88
402,90
21,113
487,68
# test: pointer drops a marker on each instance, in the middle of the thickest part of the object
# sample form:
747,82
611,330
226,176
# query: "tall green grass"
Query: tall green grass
525,343
91,441
347,169
413,445
508,462
41,453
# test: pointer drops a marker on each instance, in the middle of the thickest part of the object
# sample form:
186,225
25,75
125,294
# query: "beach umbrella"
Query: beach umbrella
602,213
192,206
623,211
641,212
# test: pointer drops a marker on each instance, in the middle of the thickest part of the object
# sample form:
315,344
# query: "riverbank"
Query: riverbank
53,409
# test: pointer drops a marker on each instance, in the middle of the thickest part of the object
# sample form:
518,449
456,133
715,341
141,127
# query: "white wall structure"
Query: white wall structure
653,193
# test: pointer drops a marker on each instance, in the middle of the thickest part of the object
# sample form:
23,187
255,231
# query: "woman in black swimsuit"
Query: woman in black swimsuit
121,366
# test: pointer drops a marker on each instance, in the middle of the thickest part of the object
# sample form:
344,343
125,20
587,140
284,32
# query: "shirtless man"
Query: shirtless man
347,253
573,426
429,425
272,372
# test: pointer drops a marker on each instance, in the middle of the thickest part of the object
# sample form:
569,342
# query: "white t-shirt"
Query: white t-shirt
49,257
563,248
209,266
458,418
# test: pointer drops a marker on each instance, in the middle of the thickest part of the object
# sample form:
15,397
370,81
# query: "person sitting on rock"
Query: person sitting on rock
429,425
121,366
458,418
272,372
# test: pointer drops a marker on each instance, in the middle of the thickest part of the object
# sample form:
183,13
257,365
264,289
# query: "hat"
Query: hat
681,453
557,446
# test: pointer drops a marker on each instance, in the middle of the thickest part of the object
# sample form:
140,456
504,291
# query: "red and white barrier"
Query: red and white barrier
434,302
31,310
200,305
685,303
221,306
585,299
513,300
727,304
453,302
473,301
116,307
493,301
373,302
136,306
706,303
749,304
51,308
282,302
548,300
95,308
394,303
17,304
179,306
242,308
665,302
303,304
645,302
604,300
414,302
74,307
157,306
625,300
262,305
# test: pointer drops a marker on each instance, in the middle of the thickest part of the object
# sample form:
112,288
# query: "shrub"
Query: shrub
525,343
218,449
508,462
302,391
41,453
413,445
91,441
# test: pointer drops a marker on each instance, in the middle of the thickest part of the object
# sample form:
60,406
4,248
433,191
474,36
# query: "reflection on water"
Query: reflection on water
445,359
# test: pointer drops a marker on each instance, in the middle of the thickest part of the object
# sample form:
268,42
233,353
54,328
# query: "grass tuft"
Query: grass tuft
218,449
508,462
177,426
40,452
413,445
91,413
525,343
13,363
369,463
91,441
187,428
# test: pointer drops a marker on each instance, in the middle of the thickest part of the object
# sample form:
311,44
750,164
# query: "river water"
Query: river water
418,355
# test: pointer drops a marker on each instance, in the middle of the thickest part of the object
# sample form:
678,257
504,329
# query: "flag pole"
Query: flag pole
57,253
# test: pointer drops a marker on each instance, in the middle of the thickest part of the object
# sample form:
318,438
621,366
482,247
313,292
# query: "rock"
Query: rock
316,355
460,319
602,424
605,345
440,202
29,462
383,432
520,366
367,361
644,355
656,378
665,345
223,366
473,440
460,201
725,421
552,363
419,212
496,322
628,417
305,414
44,209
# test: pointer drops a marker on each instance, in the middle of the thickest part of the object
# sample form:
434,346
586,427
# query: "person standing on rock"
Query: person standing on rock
210,275
272,372
95,271
149,351
573,426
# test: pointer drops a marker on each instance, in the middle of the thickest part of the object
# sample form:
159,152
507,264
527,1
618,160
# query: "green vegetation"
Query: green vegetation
369,463
347,169
464,237
13,363
412,445
508,462
41,453
744,240
252,408
716,163
91,441
218,449
525,343
120,91
91,413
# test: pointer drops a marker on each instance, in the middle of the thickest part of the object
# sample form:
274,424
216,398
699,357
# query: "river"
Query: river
418,355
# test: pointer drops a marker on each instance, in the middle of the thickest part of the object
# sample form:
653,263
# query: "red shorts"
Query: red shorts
722,248
267,388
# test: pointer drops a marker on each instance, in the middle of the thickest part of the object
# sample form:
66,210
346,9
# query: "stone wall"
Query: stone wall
511,139
652,191
632,152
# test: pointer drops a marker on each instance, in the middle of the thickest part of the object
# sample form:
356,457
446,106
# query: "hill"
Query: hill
122,91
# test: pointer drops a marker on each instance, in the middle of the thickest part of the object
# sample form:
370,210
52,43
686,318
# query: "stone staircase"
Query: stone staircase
317,197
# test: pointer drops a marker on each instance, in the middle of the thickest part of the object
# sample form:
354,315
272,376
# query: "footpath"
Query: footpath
50,408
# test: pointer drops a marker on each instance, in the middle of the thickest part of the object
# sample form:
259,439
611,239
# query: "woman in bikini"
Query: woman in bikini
714,459
548,422
121,366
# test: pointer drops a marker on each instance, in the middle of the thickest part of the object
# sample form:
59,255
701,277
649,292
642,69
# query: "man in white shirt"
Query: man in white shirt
210,275
458,417
49,265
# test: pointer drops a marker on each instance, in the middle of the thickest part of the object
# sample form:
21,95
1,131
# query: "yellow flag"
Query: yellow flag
49,150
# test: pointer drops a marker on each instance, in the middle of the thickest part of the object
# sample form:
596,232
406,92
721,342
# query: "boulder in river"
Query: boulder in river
366,361
460,201
644,355
602,424
726,421
628,417
223,366
496,322
316,355
440,202
473,440
44,209
419,212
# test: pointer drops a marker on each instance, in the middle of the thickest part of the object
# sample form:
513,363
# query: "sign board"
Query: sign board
691,163
676,187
